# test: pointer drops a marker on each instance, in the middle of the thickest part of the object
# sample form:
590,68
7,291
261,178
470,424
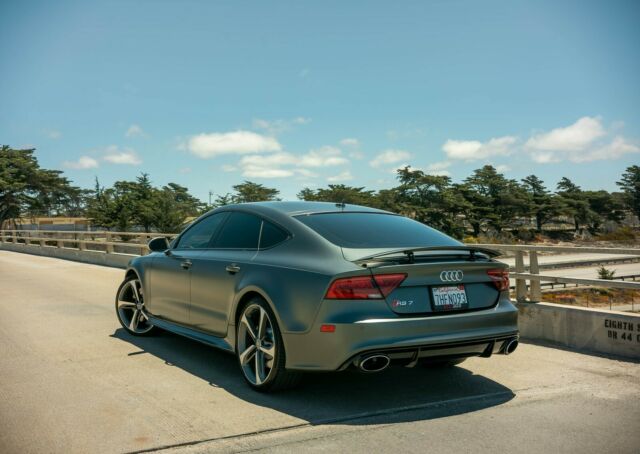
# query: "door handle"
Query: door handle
233,268
186,264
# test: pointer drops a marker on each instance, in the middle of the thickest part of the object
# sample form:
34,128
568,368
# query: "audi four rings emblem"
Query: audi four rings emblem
451,276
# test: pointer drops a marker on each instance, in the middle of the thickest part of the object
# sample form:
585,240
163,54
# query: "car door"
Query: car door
217,271
171,272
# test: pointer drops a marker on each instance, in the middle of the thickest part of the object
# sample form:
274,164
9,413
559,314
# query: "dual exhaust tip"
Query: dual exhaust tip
509,346
374,363
378,362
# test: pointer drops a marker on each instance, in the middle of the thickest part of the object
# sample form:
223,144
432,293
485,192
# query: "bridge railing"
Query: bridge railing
133,243
527,284
532,290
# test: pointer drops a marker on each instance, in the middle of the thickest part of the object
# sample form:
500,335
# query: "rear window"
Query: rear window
374,230
271,235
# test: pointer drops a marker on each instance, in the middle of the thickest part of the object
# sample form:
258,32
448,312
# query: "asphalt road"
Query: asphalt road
72,381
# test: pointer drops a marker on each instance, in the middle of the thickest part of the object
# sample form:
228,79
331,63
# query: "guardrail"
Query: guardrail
135,243
533,291
132,243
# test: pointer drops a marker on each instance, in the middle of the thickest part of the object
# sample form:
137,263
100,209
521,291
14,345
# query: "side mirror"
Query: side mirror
159,244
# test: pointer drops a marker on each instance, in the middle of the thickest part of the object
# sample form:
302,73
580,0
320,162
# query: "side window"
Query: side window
199,235
271,235
241,231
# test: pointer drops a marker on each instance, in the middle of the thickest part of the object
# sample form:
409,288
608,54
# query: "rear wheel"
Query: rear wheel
130,308
260,349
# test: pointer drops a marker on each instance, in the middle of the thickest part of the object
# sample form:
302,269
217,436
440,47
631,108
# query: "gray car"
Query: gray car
290,287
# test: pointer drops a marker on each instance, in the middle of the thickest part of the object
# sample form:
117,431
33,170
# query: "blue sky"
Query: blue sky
300,93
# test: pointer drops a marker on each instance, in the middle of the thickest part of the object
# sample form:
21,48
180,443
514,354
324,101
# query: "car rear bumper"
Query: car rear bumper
403,339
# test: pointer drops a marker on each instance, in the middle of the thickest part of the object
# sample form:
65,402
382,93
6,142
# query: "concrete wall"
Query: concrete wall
94,257
601,331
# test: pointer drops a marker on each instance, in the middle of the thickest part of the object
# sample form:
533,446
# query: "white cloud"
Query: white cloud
237,142
326,156
502,168
261,172
83,163
275,127
284,164
306,173
586,140
135,131
343,176
349,142
267,166
583,141
127,156
389,157
575,137
229,168
616,149
438,168
544,157
185,170
474,150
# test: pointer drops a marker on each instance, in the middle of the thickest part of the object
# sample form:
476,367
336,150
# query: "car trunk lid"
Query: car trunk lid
438,281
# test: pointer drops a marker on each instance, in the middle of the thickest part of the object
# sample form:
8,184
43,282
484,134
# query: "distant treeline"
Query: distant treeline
486,201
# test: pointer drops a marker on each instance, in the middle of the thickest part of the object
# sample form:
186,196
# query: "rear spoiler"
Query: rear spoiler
410,252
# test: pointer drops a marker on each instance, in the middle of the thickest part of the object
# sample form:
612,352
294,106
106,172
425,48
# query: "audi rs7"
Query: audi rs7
290,287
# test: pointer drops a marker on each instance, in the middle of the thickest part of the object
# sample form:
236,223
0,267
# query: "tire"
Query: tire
442,363
130,308
260,350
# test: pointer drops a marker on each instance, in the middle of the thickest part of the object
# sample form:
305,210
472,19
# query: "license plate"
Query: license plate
449,298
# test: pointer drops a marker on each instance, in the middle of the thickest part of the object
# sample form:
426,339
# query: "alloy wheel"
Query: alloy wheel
130,307
256,344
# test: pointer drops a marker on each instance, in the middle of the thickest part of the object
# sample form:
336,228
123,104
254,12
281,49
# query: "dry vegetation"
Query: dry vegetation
593,297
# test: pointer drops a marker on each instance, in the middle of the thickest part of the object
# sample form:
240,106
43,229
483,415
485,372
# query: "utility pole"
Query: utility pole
210,194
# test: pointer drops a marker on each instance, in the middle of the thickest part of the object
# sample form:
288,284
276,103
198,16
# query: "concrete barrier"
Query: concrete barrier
95,257
600,331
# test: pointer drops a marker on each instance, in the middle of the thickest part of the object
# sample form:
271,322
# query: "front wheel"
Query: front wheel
260,349
130,308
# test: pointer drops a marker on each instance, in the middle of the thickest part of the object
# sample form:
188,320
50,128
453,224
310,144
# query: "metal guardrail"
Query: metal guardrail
132,242
533,290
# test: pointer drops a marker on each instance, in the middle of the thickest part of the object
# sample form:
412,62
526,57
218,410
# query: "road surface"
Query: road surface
72,381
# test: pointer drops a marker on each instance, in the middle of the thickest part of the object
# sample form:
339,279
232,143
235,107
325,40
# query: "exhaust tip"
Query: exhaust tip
374,363
510,346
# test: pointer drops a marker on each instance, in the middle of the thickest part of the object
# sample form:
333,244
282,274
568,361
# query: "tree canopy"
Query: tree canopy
28,190
485,201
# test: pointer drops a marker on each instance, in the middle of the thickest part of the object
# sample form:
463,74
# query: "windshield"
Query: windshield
374,230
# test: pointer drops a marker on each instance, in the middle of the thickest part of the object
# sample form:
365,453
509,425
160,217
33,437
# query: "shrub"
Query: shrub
604,273
624,233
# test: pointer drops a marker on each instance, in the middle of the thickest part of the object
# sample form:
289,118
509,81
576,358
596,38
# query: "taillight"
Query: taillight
500,278
364,287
